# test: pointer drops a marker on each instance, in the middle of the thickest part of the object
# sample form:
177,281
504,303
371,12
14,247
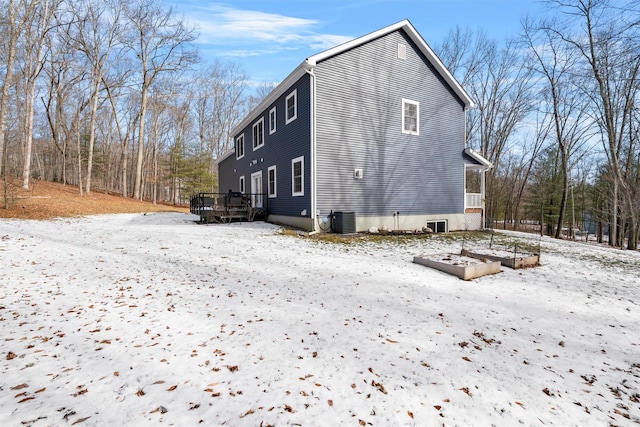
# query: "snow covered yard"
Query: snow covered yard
152,319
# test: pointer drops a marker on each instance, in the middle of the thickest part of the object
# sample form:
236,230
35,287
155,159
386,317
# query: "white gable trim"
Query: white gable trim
416,38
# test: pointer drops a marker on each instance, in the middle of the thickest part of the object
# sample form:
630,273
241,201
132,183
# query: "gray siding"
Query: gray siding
359,125
288,142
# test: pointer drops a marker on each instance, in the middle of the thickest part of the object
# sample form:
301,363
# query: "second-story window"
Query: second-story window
240,147
272,120
258,134
291,105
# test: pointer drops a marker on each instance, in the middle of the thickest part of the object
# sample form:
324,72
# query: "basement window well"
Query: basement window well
438,226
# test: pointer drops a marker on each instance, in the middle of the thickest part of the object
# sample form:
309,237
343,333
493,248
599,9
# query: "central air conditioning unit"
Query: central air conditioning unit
344,222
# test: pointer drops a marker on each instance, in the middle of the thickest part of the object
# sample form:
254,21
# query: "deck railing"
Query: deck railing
473,200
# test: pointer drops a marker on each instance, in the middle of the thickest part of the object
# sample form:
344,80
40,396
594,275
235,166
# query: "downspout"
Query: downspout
313,150
483,173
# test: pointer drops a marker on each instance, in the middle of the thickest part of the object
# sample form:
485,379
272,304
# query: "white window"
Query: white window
258,134
291,106
241,184
438,226
410,117
272,120
240,147
297,176
271,176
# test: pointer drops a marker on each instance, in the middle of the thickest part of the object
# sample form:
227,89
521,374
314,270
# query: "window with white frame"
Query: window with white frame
410,117
258,134
241,184
240,147
291,106
438,226
271,176
297,176
272,120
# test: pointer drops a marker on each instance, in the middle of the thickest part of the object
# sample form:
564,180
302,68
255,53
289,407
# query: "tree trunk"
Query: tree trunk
8,76
137,194
92,135
28,137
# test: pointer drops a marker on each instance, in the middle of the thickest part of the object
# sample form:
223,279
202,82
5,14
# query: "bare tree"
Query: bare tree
605,35
499,82
16,14
97,36
219,104
34,37
161,43
562,98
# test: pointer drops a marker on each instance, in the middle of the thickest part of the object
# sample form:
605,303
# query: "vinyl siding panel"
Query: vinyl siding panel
289,141
359,125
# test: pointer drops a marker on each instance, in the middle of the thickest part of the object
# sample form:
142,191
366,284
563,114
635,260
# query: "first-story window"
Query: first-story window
240,147
297,176
241,184
271,176
410,117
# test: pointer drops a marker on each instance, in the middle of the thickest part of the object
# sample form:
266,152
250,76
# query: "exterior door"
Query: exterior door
256,189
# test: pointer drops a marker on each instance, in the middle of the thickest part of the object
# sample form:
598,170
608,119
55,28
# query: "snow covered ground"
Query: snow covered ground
153,319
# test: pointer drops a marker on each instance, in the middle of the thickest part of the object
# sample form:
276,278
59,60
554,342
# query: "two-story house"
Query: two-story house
373,128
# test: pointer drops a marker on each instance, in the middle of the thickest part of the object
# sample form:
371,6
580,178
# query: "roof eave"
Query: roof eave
486,164
274,95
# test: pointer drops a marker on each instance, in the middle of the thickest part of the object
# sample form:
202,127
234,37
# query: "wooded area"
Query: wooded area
112,96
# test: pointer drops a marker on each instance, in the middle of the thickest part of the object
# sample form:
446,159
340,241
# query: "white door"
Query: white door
256,189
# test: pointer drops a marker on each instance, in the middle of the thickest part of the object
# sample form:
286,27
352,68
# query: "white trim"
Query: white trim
259,123
272,121
486,164
275,182
294,95
256,193
238,139
241,184
417,104
293,179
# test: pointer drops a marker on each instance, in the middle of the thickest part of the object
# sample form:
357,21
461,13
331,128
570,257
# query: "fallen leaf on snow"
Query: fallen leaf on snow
20,386
249,412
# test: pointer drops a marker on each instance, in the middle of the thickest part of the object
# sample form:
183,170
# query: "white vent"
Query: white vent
357,173
402,51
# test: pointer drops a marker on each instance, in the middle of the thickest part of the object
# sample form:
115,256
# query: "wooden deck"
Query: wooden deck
222,208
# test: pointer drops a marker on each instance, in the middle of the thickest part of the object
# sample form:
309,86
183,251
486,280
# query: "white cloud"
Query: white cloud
224,25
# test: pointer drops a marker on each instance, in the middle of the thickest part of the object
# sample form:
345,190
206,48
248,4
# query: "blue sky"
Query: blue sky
269,38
